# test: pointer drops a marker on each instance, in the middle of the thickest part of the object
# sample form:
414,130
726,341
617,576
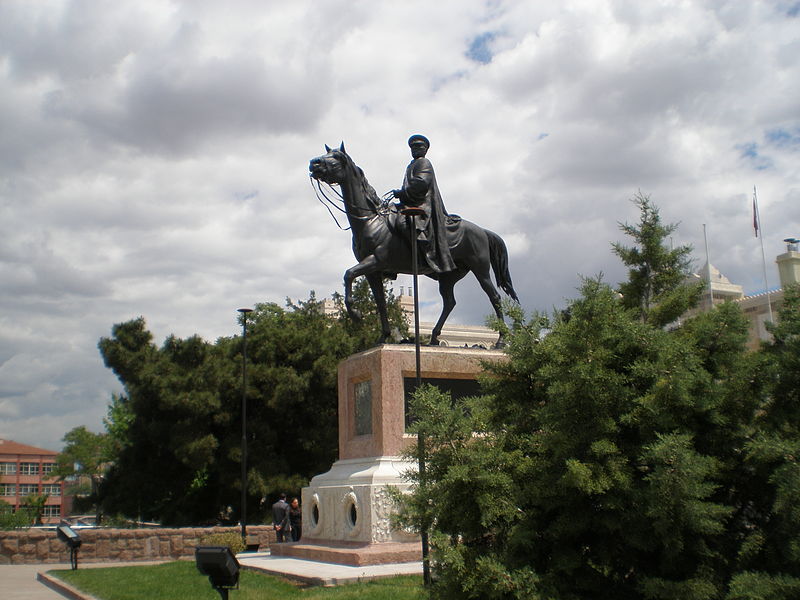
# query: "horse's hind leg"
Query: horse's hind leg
376,284
447,282
484,279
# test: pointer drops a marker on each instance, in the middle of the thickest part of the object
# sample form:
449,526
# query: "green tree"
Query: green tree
166,425
9,519
612,458
176,430
655,273
769,558
85,459
34,507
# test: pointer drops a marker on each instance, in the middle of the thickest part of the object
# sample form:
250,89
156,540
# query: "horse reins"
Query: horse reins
327,202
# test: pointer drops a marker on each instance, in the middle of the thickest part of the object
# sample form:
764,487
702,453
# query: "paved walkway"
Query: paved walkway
19,582
319,573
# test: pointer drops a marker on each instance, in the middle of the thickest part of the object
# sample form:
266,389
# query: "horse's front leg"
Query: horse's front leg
365,267
376,284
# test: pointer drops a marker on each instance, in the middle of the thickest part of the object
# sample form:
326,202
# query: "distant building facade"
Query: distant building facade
26,470
758,308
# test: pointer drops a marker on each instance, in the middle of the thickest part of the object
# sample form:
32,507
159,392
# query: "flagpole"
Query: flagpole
708,271
757,227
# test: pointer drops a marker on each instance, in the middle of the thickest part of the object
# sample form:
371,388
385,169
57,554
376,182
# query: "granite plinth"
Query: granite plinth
347,510
386,367
351,553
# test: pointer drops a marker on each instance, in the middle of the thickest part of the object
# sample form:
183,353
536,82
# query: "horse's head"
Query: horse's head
331,167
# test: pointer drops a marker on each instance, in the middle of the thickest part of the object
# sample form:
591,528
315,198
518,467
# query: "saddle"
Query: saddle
453,229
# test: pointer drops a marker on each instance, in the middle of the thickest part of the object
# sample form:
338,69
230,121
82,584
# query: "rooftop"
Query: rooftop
12,447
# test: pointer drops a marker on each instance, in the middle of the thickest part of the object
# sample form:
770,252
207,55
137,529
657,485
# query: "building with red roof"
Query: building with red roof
26,470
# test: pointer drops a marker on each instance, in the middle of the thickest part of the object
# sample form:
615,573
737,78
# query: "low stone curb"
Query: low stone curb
62,587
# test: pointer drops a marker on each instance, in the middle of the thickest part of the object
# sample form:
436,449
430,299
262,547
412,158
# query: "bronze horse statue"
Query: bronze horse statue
382,245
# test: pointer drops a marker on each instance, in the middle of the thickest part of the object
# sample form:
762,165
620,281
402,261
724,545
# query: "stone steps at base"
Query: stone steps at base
350,553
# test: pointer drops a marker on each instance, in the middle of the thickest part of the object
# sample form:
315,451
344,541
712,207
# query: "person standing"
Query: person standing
421,190
296,519
280,519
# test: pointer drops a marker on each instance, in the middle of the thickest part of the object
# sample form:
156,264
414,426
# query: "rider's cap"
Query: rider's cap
416,137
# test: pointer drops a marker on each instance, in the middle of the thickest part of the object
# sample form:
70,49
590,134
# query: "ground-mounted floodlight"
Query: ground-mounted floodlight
68,535
221,566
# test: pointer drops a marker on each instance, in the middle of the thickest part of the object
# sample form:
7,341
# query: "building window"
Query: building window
52,489
48,468
8,468
28,488
28,468
8,489
51,510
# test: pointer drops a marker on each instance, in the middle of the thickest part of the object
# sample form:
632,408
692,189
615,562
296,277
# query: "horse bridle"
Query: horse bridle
329,203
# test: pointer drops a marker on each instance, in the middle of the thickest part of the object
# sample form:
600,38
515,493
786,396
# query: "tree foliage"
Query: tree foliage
176,430
615,459
84,461
655,273
10,519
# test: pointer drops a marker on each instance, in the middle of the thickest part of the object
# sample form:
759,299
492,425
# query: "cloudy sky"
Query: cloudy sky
154,155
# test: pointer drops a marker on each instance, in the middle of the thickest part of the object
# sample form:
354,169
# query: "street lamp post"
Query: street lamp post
244,312
411,212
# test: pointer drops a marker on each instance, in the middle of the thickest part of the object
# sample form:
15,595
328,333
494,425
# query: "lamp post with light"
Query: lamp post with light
244,312
411,212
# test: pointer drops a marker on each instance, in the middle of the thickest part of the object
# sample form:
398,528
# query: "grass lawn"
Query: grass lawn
181,581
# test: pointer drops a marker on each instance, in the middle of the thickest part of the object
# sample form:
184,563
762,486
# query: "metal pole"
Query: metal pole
245,312
708,271
763,256
411,213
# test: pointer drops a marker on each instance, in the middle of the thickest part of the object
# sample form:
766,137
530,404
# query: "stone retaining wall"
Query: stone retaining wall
35,546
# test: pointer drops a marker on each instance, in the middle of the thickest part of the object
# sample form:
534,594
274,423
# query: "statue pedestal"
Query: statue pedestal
347,510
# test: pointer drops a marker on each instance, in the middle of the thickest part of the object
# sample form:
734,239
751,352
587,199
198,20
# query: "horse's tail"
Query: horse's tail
499,259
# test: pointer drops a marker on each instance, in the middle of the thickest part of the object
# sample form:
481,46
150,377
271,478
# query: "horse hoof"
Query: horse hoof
355,314
500,345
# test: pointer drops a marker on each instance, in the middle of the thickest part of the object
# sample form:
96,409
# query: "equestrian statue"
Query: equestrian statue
449,246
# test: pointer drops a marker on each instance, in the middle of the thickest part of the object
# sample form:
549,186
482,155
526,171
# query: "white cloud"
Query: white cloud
154,155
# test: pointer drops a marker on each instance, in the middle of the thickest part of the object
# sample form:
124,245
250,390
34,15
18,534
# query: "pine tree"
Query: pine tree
769,558
176,431
607,461
655,273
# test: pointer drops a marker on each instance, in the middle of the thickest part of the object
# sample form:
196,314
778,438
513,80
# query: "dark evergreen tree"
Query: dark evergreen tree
655,273
615,459
769,557
176,431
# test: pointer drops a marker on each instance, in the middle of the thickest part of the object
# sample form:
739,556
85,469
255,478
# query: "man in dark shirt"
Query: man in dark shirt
280,519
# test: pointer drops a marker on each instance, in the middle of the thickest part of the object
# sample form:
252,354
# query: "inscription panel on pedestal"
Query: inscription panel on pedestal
362,392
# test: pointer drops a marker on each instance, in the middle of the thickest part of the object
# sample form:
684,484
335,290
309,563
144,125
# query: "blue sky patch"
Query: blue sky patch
479,50
784,138
749,151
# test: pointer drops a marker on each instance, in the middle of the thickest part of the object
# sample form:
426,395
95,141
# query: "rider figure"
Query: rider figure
420,190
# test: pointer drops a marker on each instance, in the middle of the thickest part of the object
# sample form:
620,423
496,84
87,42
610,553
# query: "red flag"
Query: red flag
755,213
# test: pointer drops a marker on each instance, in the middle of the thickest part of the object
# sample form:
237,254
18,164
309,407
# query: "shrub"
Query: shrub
231,539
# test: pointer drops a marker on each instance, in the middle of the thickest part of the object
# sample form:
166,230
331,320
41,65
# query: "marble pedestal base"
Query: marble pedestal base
347,510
